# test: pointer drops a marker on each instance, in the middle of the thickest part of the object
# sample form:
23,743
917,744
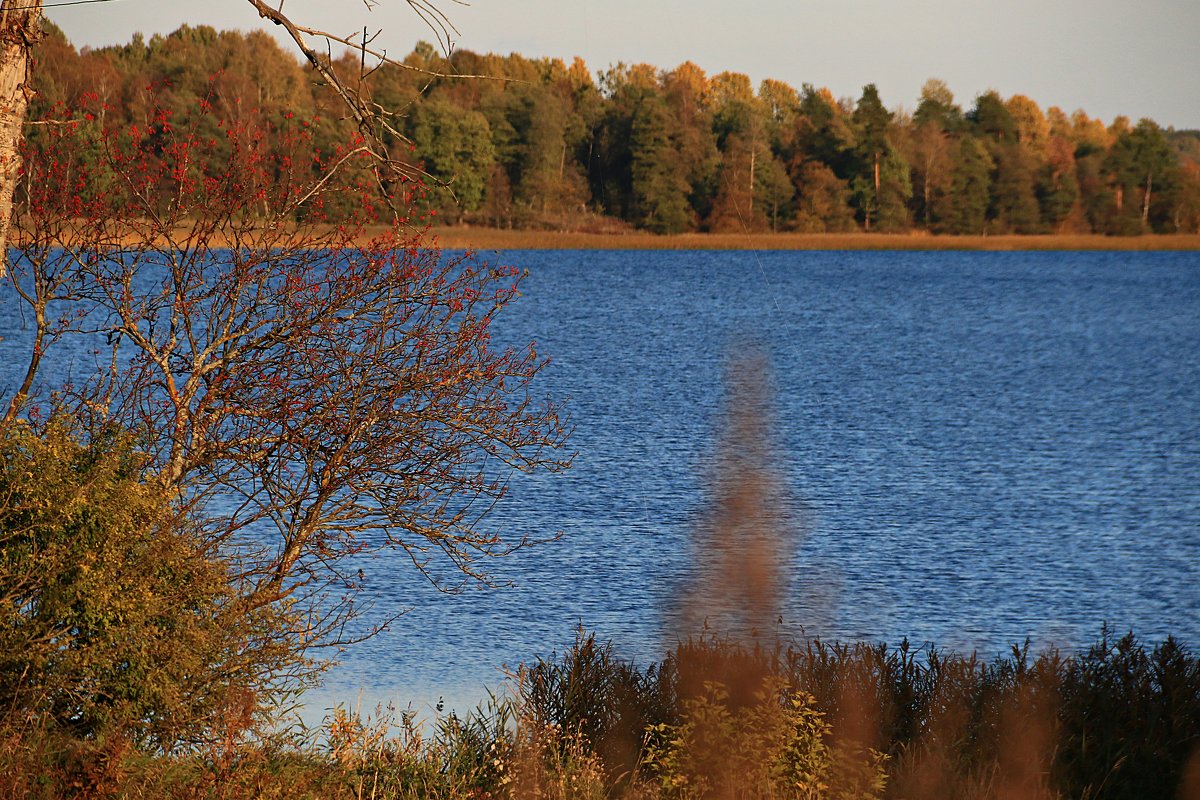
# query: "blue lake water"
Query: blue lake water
978,447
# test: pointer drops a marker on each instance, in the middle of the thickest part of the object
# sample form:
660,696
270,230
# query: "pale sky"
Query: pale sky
1108,57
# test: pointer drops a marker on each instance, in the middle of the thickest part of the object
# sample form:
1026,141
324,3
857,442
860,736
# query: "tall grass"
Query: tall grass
501,239
813,719
1119,720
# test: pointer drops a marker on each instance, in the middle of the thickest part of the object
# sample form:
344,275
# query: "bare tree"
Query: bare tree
284,371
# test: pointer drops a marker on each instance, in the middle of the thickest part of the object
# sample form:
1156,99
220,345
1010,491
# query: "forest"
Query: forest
543,144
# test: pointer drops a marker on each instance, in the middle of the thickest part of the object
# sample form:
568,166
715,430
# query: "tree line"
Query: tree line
544,144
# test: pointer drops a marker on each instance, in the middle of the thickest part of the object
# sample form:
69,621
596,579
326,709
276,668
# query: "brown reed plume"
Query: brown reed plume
742,549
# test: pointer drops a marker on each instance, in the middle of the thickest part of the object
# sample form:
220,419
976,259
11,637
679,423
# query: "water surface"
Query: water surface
978,447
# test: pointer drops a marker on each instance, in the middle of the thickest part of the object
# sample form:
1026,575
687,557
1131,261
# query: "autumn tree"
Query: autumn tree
1185,215
1058,185
374,123
562,142
1045,153
936,106
930,151
118,620
685,90
455,148
740,126
299,381
1033,129
780,104
823,200
1090,141
752,189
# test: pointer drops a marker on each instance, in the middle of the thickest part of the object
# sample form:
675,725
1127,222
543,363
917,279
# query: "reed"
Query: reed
502,239
1118,720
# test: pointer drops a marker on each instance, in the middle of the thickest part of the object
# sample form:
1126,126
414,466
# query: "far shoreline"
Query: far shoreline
473,238
464,237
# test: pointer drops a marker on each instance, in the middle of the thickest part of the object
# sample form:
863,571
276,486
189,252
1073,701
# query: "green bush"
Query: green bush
118,620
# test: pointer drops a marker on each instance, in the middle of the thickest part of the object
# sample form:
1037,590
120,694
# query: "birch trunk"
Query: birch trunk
19,29
1146,201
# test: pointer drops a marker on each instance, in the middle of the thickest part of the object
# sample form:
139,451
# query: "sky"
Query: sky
1108,57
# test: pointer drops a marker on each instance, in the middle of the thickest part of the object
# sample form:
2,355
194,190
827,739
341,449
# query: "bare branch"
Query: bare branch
337,393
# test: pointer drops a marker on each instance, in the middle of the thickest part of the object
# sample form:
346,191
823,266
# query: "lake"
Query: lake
975,448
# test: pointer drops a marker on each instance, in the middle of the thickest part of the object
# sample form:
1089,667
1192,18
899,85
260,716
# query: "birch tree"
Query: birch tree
19,30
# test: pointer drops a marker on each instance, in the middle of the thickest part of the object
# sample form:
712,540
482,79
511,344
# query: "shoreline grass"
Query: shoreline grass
1117,721
464,237
461,237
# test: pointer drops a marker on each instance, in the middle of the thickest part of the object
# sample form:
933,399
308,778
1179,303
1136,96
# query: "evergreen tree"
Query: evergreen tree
1014,202
659,184
966,206
822,133
895,192
936,107
1139,159
990,118
535,139
610,171
872,122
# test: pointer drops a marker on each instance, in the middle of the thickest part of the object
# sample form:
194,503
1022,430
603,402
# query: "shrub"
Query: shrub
777,747
118,621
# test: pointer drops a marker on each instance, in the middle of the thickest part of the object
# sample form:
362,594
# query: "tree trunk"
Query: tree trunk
925,188
19,29
1146,200
752,154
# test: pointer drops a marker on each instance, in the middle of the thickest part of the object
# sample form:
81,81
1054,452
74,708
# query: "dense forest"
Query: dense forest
539,143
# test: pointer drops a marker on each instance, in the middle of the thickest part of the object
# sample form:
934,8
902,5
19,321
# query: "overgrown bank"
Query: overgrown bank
712,720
